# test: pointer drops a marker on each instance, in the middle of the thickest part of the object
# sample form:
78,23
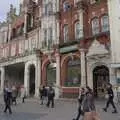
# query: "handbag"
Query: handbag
91,116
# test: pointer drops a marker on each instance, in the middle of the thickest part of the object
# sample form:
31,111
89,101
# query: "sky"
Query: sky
4,7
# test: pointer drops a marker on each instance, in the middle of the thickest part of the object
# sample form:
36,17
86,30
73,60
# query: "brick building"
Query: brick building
65,43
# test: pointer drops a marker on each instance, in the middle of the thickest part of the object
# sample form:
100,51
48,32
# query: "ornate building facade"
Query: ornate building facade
64,43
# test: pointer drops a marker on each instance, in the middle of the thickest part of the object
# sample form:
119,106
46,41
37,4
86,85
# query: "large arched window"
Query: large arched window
65,33
73,73
105,23
78,31
51,74
95,26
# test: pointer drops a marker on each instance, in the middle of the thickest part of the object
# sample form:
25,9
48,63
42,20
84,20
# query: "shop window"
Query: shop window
73,73
105,23
95,26
78,31
65,32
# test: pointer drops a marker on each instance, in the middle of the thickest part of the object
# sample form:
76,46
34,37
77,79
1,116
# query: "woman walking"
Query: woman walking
89,106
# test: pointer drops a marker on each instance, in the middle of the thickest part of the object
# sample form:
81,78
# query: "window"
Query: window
66,6
92,1
78,31
73,73
50,34
65,32
95,26
48,8
105,23
45,38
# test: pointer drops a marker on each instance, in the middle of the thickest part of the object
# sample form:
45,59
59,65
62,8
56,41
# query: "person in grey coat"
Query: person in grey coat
88,102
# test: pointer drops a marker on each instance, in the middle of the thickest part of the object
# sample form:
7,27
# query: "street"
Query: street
64,110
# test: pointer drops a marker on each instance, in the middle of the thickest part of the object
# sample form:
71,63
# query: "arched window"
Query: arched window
78,31
65,33
73,73
95,26
105,23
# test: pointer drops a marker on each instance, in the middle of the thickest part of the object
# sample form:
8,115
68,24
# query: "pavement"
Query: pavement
64,110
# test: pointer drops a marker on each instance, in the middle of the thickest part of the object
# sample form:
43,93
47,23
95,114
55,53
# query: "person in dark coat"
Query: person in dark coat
80,100
51,95
14,95
110,99
43,94
8,99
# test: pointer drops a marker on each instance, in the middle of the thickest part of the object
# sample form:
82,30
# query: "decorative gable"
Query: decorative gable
97,49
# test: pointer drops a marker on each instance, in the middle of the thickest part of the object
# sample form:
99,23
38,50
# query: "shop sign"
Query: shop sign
68,49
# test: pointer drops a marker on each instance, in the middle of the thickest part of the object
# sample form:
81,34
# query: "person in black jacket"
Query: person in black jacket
110,99
8,99
80,100
43,94
51,95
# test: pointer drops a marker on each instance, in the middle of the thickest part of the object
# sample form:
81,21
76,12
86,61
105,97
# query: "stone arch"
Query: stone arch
64,61
27,75
65,58
90,69
44,69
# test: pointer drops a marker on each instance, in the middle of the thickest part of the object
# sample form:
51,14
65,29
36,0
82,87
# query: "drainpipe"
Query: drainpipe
86,69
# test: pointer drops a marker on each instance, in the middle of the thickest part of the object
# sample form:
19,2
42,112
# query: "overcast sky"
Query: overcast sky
4,7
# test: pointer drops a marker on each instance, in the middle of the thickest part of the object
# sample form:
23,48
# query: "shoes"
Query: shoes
115,111
105,109
73,119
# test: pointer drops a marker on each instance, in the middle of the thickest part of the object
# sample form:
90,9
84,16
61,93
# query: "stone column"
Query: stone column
57,76
113,81
81,20
26,79
9,31
113,76
25,21
2,70
37,77
83,67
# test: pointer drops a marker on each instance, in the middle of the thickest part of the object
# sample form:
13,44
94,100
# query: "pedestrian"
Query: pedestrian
80,100
51,95
23,94
14,95
89,106
43,94
110,99
8,99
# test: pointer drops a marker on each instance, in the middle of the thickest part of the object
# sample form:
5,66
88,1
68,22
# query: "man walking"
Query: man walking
51,95
80,100
8,99
110,99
